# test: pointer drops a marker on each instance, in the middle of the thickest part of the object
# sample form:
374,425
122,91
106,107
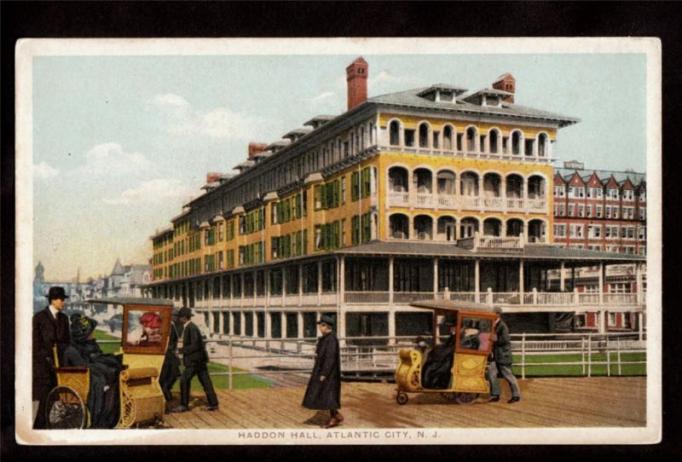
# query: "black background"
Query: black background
363,19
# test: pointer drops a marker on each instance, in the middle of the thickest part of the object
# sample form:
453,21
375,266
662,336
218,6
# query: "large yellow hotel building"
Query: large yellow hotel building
424,193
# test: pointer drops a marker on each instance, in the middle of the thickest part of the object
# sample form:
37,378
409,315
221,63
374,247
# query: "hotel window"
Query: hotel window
642,196
612,319
631,232
628,195
642,213
594,231
612,194
559,191
570,210
588,211
559,230
599,211
608,211
576,230
641,233
615,211
581,211
562,210
409,137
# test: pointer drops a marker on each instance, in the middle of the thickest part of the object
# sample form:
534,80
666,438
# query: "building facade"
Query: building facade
409,195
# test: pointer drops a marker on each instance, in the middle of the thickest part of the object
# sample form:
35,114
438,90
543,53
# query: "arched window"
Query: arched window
397,179
423,135
469,184
516,143
423,227
494,139
492,227
446,229
400,228
468,226
542,145
447,138
446,182
514,227
471,139
394,132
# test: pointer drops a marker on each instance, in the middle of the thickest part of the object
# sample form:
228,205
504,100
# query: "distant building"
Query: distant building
124,280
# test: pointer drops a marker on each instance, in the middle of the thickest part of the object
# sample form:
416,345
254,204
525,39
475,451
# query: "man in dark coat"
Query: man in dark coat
501,360
50,329
195,359
170,371
84,351
324,387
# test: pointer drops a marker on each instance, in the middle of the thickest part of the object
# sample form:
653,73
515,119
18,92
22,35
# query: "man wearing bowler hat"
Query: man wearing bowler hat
50,329
195,359
324,387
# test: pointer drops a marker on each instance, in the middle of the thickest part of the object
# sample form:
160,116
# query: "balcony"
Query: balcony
468,153
461,202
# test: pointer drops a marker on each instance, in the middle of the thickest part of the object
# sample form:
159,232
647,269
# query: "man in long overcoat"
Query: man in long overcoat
324,387
195,360
501,361
50,329
170,371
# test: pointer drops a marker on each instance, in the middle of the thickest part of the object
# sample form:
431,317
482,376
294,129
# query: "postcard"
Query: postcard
338,241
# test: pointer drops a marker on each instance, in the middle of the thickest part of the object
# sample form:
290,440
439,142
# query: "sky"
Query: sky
120,143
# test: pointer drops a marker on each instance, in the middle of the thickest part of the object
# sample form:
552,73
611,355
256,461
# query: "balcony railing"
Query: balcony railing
462,202
471,153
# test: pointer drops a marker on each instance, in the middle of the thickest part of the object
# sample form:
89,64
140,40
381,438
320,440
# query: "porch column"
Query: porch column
390,280
319,282
435,276
300,324
477,281
242,323
638,282
524,194
602,321
268,324
521,281
254,323
562,283
640,325
300,285
503,190
601,283
391,327
283,324
341,280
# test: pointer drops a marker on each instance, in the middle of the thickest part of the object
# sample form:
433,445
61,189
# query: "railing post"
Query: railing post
620,369
229,381
535,296
582,354
489,296
576,296
608,356
589,354
523,356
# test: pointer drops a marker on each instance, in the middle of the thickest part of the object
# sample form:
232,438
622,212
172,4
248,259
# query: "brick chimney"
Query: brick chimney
506,82
255,148
356,78
212,177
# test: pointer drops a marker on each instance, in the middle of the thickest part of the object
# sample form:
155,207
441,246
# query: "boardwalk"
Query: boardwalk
556,402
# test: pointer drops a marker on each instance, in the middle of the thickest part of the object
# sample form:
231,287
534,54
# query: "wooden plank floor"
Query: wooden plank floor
555,402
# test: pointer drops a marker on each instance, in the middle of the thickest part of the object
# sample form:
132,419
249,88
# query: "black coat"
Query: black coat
47,332
170,370
194,352
502,351
325,395
437,369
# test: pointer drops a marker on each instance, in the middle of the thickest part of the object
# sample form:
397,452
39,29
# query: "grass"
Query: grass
577,370
239,381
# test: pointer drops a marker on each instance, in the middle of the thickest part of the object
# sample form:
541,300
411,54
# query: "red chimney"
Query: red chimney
255,148
506,82
212,177
356,78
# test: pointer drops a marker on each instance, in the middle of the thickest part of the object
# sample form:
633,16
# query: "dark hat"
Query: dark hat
324,319
81,327
57,292
185,312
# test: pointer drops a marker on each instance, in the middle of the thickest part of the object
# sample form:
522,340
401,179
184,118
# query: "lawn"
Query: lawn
577,370
219,381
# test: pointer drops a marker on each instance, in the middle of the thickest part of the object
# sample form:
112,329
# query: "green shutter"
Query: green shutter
355,186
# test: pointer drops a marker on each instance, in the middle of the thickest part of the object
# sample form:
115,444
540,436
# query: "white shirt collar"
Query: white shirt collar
54,311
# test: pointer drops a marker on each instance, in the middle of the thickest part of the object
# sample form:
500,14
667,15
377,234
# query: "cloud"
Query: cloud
219,123
111,159
152,192
44,171
323,96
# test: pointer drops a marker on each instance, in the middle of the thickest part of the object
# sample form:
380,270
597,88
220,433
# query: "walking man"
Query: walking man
195,359
501,360
324,387
170,371
50,329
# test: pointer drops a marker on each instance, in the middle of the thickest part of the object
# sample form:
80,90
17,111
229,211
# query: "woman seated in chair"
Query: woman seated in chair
103,397
437,369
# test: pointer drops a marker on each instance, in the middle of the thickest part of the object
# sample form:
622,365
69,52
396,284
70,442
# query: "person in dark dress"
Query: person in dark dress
324,388
84,351
170,371
195,360
437,369
50,329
